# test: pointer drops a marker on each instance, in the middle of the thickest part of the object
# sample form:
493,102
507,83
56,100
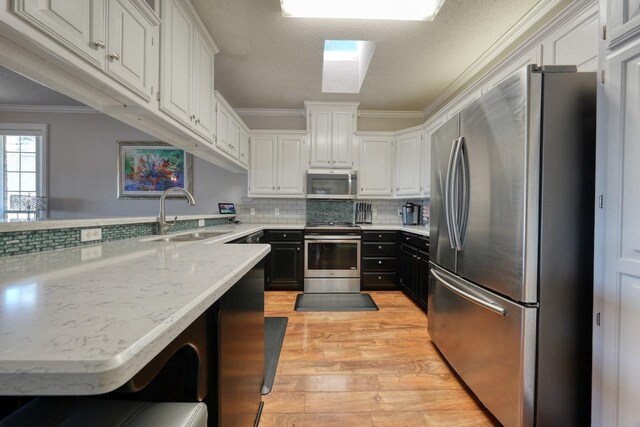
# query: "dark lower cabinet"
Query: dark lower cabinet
423,279
409,267
379,261
285,271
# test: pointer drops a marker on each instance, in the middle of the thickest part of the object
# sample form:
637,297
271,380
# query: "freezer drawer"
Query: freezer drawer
489,341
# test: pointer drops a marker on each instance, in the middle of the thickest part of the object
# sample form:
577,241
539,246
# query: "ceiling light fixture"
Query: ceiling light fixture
404,10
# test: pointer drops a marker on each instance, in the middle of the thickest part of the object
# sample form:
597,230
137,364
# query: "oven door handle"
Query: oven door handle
336,238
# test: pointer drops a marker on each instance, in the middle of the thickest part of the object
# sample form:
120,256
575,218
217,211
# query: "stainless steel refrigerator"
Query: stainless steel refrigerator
512,215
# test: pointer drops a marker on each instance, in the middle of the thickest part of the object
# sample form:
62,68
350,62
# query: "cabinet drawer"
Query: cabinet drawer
424,244
379,264
410,239
285,236
379,280
378,249
379,236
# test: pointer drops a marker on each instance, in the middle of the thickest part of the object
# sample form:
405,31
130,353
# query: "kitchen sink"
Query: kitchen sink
190,237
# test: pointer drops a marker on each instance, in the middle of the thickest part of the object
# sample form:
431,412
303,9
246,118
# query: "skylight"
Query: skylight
345,65
404,10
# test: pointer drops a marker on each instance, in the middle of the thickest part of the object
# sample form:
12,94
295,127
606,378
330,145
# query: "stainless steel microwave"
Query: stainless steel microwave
332,184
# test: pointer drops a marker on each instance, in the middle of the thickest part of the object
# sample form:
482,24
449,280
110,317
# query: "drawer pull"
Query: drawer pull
380,236
380,262
380,247
379,277
284,235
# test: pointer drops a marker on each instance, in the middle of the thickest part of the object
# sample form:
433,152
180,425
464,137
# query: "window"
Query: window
22,171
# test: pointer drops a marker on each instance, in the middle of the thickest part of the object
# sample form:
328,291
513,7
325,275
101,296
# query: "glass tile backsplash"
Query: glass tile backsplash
319,211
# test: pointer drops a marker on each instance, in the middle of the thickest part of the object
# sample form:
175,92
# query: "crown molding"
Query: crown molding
69,109
387,114
521,27
279,112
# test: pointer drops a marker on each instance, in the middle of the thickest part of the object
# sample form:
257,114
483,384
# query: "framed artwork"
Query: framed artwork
146,169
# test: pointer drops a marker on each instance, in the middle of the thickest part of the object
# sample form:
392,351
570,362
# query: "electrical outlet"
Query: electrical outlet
252,211
399,212
201,223
375,213
277,212
90,234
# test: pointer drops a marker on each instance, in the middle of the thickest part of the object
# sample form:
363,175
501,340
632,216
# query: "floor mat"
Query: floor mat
274,329
335,302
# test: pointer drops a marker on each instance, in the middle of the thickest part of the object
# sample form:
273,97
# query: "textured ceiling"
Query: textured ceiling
268,61
19,90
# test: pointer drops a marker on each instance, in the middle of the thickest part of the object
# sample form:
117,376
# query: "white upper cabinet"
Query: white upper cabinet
203,97
320,128
623,21
262,173
408,164
277,166
130,45
244,147
332,127
187,71
77,25
533,56
376,165
575,43
223,125
291,170
234,138
425,186
342,139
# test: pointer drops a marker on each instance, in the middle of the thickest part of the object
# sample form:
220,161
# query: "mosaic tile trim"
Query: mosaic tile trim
329,211
24,242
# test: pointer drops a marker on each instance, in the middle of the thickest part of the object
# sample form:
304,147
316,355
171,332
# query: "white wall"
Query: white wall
83,176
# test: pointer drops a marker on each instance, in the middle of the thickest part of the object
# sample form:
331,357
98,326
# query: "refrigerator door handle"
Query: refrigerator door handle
464,212
496,308
452,191
447,190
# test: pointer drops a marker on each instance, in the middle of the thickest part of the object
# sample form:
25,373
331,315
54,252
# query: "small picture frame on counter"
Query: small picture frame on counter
227,208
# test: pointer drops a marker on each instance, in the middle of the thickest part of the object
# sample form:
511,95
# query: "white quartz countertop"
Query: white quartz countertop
85,320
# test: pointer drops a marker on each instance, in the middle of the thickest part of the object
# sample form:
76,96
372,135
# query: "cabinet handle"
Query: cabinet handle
380,247
379,277
115,56
361,189
397,189
99,43
406,238
241,154
197,121
298,249
380,262
380,236
284,235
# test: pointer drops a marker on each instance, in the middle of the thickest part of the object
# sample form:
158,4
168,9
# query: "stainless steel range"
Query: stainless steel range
332,258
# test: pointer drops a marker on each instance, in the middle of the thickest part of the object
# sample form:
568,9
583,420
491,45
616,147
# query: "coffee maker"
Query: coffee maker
410,214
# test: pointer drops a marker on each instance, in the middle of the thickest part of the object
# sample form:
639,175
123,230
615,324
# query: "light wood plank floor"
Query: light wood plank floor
364,369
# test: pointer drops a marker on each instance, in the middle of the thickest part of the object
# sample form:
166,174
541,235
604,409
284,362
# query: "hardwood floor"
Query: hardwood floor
364,369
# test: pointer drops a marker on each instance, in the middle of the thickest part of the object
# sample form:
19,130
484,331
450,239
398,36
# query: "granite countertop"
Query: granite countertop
84,320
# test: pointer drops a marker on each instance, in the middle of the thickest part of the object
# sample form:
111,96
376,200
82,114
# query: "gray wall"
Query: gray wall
83,177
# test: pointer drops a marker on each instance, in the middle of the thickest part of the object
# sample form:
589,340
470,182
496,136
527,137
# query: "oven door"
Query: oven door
332,256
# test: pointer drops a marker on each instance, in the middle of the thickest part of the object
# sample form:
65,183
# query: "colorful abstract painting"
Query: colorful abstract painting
147,169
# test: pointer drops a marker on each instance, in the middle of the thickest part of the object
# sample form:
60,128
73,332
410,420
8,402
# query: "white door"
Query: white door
621,300
77,25
320,128
533,56
129,46
408,171
177,61
342,139
244,147
623,21
234,138
223,126
376,163
203,97
575,43
291,170
262,169
425,186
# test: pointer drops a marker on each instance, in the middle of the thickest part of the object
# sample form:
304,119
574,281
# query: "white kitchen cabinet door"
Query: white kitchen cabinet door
234,138
342,139
376,164
291,169
77,25
620,379
533,56
262,169
129,47
408,165
223,127
203,97
623,21
177,61
575,43
244,147
320,127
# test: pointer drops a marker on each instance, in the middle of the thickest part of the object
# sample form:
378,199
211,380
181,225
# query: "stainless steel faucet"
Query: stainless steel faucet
162,220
